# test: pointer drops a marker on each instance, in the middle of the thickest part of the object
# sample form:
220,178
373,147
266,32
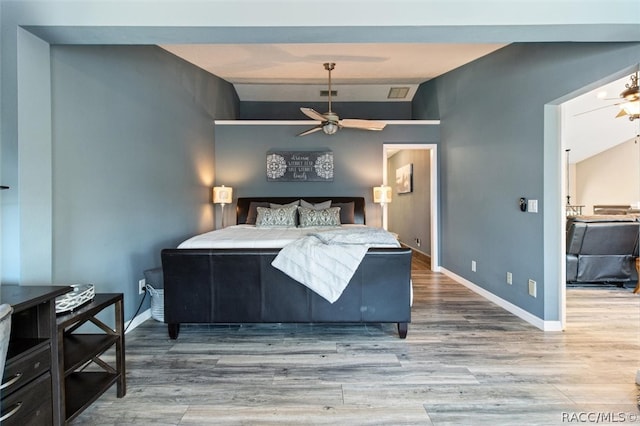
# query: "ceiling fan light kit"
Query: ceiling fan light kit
631,96
330,123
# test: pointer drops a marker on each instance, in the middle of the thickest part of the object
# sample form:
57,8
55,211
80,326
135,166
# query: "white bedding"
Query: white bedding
250,236
326,261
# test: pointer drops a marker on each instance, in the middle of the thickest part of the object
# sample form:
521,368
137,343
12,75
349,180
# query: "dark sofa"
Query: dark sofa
602,248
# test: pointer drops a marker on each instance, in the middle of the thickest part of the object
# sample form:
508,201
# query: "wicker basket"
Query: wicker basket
157,303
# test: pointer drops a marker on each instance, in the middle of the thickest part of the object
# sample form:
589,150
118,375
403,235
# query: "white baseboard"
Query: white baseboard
142,317
508,306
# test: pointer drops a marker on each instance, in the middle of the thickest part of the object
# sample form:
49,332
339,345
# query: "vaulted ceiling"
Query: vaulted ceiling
294,72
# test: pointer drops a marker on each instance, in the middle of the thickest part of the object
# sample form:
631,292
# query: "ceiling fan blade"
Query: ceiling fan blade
313,114
311,130
597,109
621,113
354,123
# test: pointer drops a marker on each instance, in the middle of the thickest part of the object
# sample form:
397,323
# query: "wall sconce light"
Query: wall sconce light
382,194
222,195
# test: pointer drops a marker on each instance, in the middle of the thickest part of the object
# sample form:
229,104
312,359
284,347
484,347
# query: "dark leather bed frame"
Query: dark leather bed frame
240,285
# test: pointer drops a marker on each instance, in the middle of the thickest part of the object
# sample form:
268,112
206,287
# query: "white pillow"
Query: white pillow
276,218
325,217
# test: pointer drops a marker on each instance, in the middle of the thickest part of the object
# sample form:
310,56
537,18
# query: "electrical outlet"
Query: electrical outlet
509,278
532,288
142,286
418,242
473,266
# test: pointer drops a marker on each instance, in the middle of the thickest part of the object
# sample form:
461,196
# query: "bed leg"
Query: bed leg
174,330
402,329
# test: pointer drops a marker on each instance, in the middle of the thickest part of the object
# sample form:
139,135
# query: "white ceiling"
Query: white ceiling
589,123
294,72
365,72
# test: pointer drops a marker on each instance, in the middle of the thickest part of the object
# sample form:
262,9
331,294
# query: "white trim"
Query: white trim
433,148
309,122
134,322
508,306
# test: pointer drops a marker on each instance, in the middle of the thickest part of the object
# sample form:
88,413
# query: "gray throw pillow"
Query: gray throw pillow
252,214
276,218
347,212
326,217
319,206
293,203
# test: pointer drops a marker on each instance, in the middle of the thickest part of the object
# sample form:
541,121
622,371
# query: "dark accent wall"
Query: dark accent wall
133,160
291,110
358,160
493,151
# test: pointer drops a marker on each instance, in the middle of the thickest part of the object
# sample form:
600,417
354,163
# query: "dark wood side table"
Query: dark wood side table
81,385
31,378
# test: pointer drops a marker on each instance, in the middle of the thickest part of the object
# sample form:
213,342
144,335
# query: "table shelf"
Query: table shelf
78,351
83,388
80,348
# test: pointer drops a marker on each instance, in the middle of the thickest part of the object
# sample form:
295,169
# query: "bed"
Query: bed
236,283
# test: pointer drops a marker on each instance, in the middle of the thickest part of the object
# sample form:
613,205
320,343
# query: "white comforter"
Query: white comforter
250,236
326,261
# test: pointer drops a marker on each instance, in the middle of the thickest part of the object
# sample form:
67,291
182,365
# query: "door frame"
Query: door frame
434,188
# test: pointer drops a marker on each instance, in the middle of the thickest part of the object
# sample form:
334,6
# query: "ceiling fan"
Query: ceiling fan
330,122
629,100
631,104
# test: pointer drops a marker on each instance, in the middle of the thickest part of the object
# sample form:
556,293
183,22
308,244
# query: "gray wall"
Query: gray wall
410,213
493,152
133,160
358,160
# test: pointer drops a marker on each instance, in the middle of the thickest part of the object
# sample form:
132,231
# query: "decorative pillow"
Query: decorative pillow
252,214
319,206
278,217
347,212
293,203
325,217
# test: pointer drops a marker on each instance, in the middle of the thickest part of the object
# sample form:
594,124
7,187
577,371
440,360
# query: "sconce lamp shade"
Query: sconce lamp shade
222,194
382,194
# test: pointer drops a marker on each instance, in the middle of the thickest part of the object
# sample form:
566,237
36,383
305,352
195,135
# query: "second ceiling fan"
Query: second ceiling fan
330,122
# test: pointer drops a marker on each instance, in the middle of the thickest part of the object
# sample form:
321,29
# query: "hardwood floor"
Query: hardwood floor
465,361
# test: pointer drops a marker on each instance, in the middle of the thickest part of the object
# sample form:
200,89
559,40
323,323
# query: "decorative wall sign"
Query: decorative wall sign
300,166
404,179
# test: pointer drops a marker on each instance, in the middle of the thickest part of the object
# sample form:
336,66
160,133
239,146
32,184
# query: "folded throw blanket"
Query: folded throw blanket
326,261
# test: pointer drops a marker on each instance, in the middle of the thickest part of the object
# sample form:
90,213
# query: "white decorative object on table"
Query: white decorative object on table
81,294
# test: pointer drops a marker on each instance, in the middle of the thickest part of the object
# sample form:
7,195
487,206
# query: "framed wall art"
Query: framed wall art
300,166
404,179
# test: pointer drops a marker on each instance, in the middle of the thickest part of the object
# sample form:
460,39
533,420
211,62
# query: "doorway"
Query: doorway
390,150
563,148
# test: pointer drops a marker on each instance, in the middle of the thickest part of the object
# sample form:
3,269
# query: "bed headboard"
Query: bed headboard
242,206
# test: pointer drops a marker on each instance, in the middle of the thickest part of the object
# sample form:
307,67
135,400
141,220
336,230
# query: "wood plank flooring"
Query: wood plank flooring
465,362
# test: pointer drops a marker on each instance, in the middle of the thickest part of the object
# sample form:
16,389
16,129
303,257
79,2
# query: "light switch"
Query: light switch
532,206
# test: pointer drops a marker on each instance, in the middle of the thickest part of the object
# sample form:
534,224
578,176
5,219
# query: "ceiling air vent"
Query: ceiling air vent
325,93
398,93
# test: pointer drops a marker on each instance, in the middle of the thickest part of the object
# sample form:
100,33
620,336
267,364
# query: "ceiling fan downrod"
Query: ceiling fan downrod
329,66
